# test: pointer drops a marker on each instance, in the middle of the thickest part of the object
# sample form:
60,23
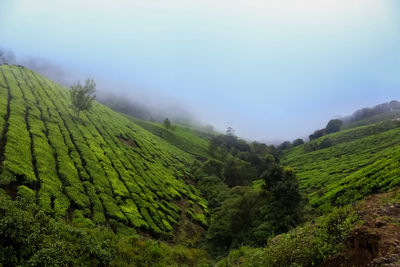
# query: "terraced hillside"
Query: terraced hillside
101,167
192,141
360,161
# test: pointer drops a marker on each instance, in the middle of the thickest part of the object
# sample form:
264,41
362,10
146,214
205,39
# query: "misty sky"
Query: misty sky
271,69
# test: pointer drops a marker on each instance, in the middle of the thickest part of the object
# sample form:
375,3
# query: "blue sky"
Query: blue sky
275,69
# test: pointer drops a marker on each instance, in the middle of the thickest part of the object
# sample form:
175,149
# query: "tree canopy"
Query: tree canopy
82,96
333,126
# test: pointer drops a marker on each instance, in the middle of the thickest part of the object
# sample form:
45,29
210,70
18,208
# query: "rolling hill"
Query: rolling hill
102,167
359,161
190,140
119,185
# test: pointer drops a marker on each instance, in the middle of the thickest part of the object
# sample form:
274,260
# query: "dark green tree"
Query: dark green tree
317,134
231,221
285,145
283,206
230,131
238,172
82,96
333,126
167,124
297,142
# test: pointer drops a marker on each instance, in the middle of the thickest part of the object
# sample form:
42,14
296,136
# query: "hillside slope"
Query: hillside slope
101,166
360,161
192,141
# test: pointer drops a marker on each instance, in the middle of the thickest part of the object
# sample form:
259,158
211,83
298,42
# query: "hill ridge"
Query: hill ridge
359,161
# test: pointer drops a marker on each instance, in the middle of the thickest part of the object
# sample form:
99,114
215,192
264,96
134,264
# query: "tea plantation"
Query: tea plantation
360,161
101,167
190,140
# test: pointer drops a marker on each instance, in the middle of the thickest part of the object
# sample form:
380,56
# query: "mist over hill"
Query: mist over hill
392,108
134,104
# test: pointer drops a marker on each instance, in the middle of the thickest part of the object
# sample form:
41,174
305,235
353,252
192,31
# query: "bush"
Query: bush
298,142
308,245
213,167
325,143
333,126
29,237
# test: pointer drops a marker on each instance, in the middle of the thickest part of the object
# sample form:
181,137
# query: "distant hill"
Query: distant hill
384,111
101,167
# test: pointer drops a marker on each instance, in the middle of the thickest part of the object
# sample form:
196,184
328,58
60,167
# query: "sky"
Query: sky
272,70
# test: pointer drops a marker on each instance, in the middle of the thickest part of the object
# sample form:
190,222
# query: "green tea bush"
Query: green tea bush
101,164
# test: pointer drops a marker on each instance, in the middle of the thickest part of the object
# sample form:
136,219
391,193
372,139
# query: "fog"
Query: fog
272,70
133,101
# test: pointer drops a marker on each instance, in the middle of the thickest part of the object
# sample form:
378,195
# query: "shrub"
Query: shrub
308,245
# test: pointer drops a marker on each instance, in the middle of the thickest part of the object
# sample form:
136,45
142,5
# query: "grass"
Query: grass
102,165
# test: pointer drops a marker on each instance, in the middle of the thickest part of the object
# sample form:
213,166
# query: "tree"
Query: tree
333,126
283,210
230,131
238,172
317,134
167,123
231,222
83,96
285,145
298,142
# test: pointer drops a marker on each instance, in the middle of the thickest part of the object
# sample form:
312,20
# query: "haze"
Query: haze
272,70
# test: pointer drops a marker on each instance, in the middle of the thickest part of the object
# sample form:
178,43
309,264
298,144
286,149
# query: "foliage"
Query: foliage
213,167
308,245
103,166
333,126
190,140
317,134
232,221
238,172
297,142
359,161
244,215
30,237
285,145
140,252
234,151
374,114
325,143
167,123
282,207
83,96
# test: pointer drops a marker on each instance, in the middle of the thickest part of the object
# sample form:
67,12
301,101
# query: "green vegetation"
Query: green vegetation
357,162
102,165
241,214
82,96
308,245
333,126
190,140
29,237
167,123
378,113
102,188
